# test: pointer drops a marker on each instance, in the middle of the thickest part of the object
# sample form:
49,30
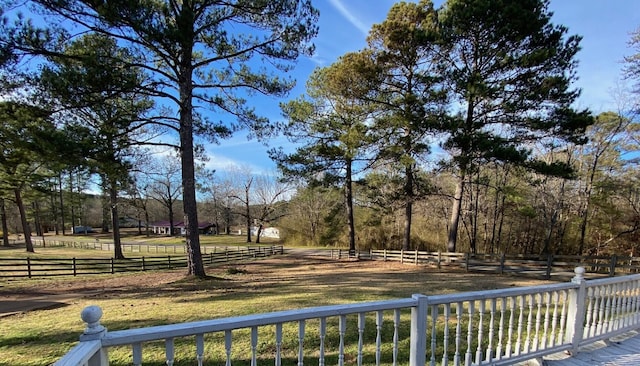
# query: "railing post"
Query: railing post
576,312
418,341
91,315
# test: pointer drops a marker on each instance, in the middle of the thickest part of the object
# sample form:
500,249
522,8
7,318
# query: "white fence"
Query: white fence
497,327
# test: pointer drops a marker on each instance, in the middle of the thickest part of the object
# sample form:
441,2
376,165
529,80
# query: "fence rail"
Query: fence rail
496,327
545,266
104,245
31,267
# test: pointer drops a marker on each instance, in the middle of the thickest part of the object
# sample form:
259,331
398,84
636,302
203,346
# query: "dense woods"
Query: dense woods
454,129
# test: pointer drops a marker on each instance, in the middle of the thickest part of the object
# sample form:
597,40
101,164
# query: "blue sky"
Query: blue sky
605,26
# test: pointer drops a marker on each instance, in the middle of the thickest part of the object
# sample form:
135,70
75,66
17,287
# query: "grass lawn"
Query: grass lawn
155,298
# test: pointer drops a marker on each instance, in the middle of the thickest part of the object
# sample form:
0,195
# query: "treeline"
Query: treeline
454,129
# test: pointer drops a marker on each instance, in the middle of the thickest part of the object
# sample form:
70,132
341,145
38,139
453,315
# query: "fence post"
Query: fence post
113,266
29,266
415,258
439,259
612,268
401,255
144,268
503,259
467,257
576,313
74,267
418,340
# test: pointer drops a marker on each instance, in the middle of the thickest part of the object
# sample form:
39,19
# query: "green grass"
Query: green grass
41,337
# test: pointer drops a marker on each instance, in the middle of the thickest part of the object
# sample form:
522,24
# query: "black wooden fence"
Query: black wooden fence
31,267
545,266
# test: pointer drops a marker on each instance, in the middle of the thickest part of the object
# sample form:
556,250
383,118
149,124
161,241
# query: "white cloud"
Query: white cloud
342,9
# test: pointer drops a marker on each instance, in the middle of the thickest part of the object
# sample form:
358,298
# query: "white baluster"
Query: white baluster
456,356
547,319
468,355
480,331
589,321
323,335
137,353
278,361
301,330
169,351
527,342
361,323
627,304
503,305
554,319
396,328
379,320
613,295
492,325
200,348
563,316
536,334
607,309
445,337
599,300
254,345
635,300
512,310
227,346
617,307
520,325
342,330
434,333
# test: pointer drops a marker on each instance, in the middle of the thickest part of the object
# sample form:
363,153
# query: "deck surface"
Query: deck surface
623,350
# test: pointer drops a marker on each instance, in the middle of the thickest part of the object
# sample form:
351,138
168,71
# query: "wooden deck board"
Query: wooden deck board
620,351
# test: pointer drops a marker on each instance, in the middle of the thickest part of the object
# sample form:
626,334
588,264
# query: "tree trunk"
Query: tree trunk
170,208
455,215
146,224
408,210
23,218
61,203
54,210
115,221
73,211
349,204
258,233
248,209
106,212
5,228
185,74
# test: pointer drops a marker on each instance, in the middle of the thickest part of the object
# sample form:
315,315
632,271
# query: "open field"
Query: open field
154,298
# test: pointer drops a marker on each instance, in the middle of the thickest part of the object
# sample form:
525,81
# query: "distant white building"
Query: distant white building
267,232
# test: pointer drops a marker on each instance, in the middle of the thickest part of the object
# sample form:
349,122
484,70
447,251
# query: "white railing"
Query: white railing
497,327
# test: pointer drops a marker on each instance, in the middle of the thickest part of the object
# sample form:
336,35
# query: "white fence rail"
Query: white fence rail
497,327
